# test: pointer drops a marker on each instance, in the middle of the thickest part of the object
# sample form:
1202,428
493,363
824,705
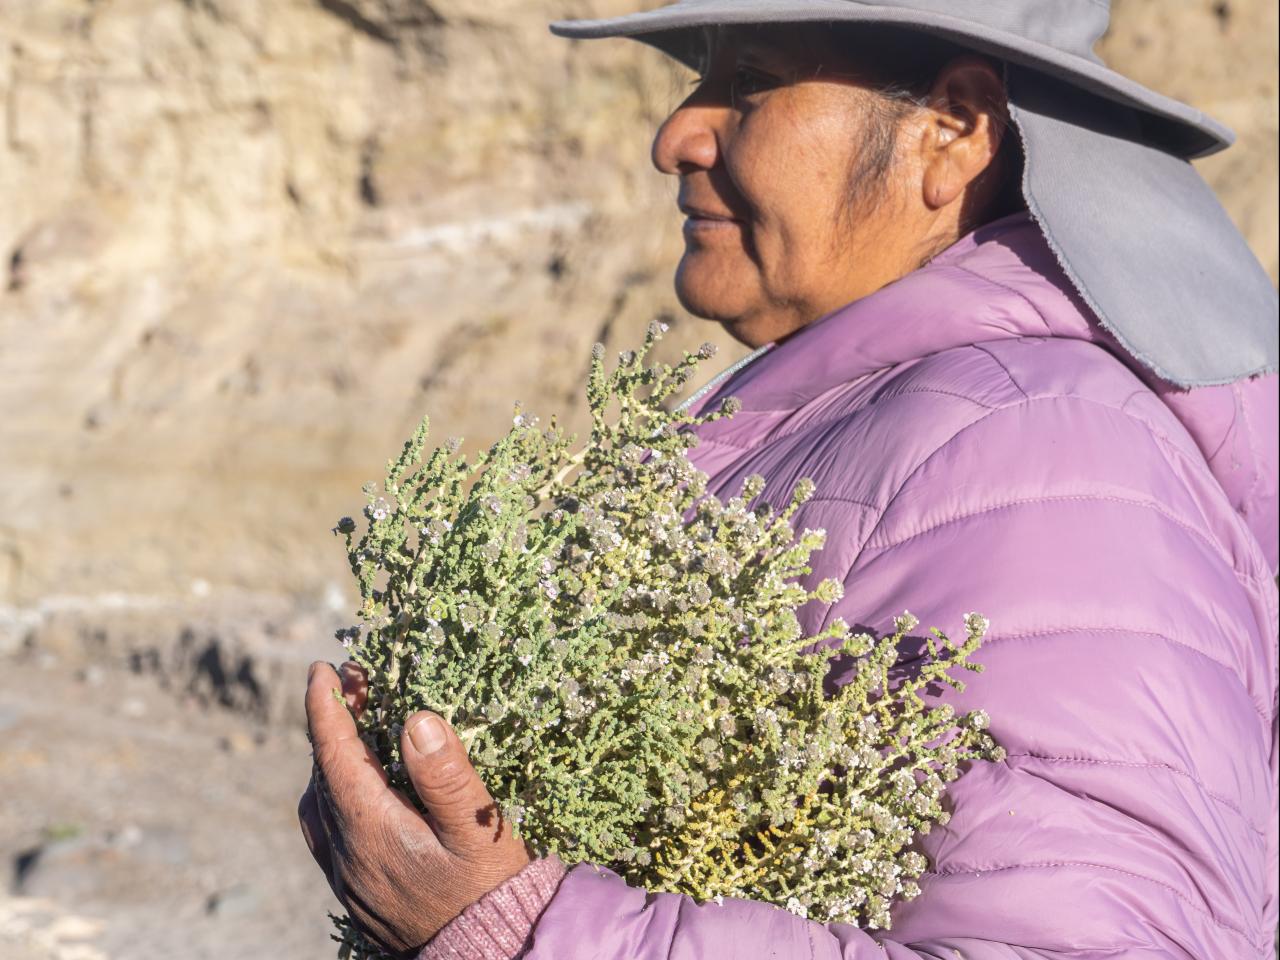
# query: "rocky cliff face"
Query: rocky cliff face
247,243
250,242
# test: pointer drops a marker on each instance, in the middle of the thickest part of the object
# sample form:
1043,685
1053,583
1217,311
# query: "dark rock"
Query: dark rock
235,901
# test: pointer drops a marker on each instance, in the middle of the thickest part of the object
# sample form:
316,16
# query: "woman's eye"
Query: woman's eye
743,83
747,81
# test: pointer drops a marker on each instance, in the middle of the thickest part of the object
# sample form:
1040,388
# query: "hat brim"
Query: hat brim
1171,125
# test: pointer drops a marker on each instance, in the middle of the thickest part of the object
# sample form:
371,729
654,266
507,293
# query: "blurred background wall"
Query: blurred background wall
246,244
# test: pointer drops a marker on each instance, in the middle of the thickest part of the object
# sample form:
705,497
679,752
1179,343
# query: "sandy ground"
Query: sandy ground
139,826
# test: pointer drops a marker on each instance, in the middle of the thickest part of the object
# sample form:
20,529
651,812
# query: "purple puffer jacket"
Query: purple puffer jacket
979,443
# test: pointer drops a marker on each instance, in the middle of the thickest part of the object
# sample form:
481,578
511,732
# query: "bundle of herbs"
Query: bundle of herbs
621,652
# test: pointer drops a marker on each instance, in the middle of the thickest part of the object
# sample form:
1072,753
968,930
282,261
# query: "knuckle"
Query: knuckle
417,844
328,756
452,784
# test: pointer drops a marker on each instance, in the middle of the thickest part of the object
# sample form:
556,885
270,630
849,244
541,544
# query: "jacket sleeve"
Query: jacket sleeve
1129,673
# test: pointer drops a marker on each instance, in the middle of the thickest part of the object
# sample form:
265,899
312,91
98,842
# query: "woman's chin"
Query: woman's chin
727,305
710,293
745,329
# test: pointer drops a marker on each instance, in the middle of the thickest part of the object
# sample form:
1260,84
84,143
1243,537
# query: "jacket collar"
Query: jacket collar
998,282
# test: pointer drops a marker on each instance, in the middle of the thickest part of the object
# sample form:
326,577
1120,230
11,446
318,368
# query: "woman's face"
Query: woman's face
766,149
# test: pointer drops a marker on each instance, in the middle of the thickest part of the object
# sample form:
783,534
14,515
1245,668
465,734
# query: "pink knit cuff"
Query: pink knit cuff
498,925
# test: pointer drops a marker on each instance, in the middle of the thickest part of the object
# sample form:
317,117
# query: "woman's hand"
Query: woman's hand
401,876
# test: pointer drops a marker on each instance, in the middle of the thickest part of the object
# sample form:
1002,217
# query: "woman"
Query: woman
1030,366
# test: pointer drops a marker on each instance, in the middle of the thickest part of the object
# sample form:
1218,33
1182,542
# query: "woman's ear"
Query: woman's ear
965,123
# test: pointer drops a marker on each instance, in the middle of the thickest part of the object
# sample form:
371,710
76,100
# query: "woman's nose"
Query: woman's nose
687,140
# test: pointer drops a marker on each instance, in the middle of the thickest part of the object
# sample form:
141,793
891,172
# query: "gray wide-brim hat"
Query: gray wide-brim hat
1107,174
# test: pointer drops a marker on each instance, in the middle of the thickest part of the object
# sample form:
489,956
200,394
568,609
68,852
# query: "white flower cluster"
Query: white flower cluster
621,652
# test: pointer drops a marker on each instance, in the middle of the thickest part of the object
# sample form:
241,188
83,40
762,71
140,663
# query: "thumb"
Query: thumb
460,808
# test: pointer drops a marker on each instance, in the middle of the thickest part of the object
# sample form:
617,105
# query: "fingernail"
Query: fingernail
427,734
311,671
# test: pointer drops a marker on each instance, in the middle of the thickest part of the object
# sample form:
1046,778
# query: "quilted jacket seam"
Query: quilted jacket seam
1253,450
1199,462
720,442
843,415
1055,498
968,426
1059,864
1007,372
905,391
1022,297
1260,711
1150,765
818,498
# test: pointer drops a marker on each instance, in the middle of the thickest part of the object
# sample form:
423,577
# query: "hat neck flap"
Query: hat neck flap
1143,238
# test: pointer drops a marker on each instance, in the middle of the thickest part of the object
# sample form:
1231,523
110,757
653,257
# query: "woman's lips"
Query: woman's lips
701,221
701,224
695,212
